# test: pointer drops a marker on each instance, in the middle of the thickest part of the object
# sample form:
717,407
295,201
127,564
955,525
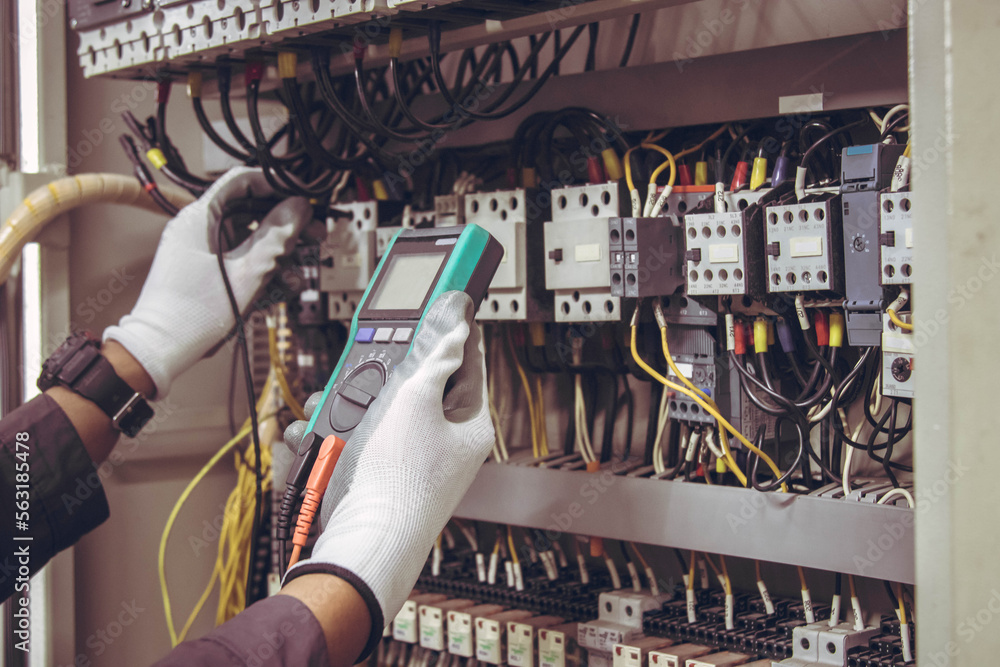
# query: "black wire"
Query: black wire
899,120
826,137
630,416
209,130
252,403
434,38
630,42
594,30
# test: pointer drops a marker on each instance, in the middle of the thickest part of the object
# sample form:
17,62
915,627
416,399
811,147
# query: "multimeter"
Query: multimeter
418,266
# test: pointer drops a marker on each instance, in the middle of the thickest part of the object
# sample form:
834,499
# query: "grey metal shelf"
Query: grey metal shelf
827,534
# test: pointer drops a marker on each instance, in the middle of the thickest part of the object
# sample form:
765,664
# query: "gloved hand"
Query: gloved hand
407,465
183,310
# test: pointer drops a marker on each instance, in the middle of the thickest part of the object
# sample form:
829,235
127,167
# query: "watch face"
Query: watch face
131,423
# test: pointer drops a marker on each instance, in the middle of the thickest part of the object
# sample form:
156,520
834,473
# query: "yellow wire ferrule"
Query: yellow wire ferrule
701,173
529,177
194,84
381,193
156,157
760,335
395,42
287,62
612,165
759,173
537,333
836,330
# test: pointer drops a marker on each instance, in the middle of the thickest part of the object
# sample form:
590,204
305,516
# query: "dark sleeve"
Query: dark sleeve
50,491
277,631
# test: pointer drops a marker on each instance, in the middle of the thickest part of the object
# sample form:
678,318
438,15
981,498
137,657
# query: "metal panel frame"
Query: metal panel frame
847,536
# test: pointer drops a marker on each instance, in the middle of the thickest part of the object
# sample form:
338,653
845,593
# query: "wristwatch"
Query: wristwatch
79,366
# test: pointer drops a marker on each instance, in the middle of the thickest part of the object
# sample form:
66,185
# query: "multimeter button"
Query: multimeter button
383,335
402,336
357,396
364,335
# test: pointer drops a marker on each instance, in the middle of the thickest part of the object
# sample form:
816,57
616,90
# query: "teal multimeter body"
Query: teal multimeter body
418,266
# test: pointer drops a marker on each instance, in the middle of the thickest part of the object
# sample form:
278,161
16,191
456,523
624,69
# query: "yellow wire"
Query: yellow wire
728,456
902,605
725,575
802,578
756,567
510,544
543,436
850,583
531,404
173,517
279,374
670,162
638,554
906,326
201,603
714,135
694,559
628,168
704,406
908,149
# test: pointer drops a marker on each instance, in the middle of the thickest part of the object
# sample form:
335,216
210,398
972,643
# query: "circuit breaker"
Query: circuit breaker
803,247
449,210
348,256
517,291
577,251
865,170
895,238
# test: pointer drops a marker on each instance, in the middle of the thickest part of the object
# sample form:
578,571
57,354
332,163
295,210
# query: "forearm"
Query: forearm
340,610
93,426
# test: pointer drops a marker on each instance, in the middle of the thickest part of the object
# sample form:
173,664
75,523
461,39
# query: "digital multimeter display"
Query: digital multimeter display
406,281
419,265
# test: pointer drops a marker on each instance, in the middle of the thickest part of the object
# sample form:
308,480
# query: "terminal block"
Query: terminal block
577,252
491,635
405,627
513,218
432,621
646,256
636,653
804,248
558,647
461,624
620,616
865,171
898,351
895,239
819,644
523,639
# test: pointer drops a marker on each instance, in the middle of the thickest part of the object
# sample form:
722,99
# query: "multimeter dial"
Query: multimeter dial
354,396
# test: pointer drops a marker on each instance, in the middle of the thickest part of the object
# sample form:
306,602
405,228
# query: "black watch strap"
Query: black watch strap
79,366
102,385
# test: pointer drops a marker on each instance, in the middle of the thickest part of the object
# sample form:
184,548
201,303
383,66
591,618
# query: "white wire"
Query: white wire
897,492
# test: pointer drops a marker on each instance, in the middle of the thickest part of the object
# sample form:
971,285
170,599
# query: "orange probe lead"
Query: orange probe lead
319,479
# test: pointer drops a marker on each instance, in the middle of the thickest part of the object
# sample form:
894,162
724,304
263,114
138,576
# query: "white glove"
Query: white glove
183,310
408,464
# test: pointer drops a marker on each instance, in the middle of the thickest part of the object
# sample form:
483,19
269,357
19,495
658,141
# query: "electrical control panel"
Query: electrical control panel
895,238
577,252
